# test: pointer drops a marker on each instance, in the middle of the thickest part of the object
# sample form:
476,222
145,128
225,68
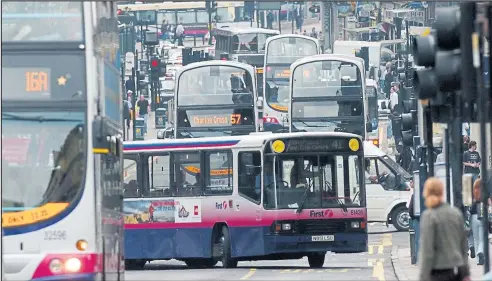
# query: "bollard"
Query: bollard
160,118
139,129
413,243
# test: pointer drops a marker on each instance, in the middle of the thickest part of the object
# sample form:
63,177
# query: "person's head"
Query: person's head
477,193
466,139
142,97
392,89
472,146
433,192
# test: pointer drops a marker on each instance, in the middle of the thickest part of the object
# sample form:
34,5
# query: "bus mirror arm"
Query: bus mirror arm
368,127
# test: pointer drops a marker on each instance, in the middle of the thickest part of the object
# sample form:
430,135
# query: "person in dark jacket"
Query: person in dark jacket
443,249
476,234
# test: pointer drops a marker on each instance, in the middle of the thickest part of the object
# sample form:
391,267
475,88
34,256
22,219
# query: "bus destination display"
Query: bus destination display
317,145
42,77
215,120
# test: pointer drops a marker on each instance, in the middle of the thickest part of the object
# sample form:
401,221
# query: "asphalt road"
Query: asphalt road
373,265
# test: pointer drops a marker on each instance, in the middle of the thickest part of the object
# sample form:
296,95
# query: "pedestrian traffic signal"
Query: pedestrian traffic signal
409,121
211,6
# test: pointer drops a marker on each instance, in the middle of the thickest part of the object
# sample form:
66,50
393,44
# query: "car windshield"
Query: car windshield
48,147
397,168
326,181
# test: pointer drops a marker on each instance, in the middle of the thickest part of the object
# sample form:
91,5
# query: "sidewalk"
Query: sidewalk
405,271
151,130
308,26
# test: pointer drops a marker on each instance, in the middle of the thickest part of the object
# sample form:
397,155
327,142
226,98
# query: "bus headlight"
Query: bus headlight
73,265
56,266
354,224
286,227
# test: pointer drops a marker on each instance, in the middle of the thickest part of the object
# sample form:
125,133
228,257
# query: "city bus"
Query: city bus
192,15
62,212
286,196
328,93
215,98
281,52
246,45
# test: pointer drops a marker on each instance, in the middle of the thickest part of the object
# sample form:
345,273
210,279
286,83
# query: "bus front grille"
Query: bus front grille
321,226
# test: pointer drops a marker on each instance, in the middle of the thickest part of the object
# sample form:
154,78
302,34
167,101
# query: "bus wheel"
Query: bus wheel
400,218
200,263
316,260
227,260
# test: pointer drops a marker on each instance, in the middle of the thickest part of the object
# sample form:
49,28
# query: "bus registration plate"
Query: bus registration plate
323,238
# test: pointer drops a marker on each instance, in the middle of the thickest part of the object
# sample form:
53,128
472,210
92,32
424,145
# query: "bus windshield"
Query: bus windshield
287,50
328,95
42,21
249,43
215,85
277,86
46,146
321,181
215,100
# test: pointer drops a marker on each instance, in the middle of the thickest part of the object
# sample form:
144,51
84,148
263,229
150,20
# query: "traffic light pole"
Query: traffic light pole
136,74
209,27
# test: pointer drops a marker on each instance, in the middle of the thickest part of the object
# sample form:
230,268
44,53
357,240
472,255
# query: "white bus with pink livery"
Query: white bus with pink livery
279,196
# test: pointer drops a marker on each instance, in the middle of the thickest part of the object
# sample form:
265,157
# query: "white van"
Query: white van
387,189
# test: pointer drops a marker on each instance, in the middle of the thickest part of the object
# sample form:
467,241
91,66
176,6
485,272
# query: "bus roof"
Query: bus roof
252,140
280,36
175,6
245,66
231,31
345,58
367,43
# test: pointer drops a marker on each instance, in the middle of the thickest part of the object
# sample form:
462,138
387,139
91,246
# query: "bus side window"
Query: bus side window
187,174
249,172
159,176
218,173
130,183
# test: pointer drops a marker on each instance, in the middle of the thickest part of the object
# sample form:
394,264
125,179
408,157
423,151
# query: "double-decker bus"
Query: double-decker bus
246,45
285,196
328,93
61,142
215,98
192,15
281,52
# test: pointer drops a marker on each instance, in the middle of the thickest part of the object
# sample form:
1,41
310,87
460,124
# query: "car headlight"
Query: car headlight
354,224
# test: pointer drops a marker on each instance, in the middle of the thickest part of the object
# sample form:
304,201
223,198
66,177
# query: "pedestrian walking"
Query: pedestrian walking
143,111
443,240
471,161
476,225
179,34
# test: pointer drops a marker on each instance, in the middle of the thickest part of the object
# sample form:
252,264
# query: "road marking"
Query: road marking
297,270
285,271
371,249
338,270
251,272
377,268
309,270
387,239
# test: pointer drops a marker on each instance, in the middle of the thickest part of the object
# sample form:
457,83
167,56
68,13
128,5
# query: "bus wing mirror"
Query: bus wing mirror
259,103
368,127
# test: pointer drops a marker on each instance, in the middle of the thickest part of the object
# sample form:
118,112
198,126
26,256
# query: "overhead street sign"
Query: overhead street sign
267,5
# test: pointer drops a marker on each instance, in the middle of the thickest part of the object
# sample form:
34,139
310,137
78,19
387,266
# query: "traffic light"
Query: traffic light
156,69
363,53
442,54
409,122
211,6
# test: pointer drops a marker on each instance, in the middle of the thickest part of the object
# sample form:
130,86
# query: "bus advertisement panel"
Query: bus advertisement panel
281,52
328,94
316,204
215,99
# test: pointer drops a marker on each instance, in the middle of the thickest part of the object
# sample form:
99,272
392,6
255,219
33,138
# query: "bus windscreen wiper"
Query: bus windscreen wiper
317,125
303,201
340,202
217,130
8,116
